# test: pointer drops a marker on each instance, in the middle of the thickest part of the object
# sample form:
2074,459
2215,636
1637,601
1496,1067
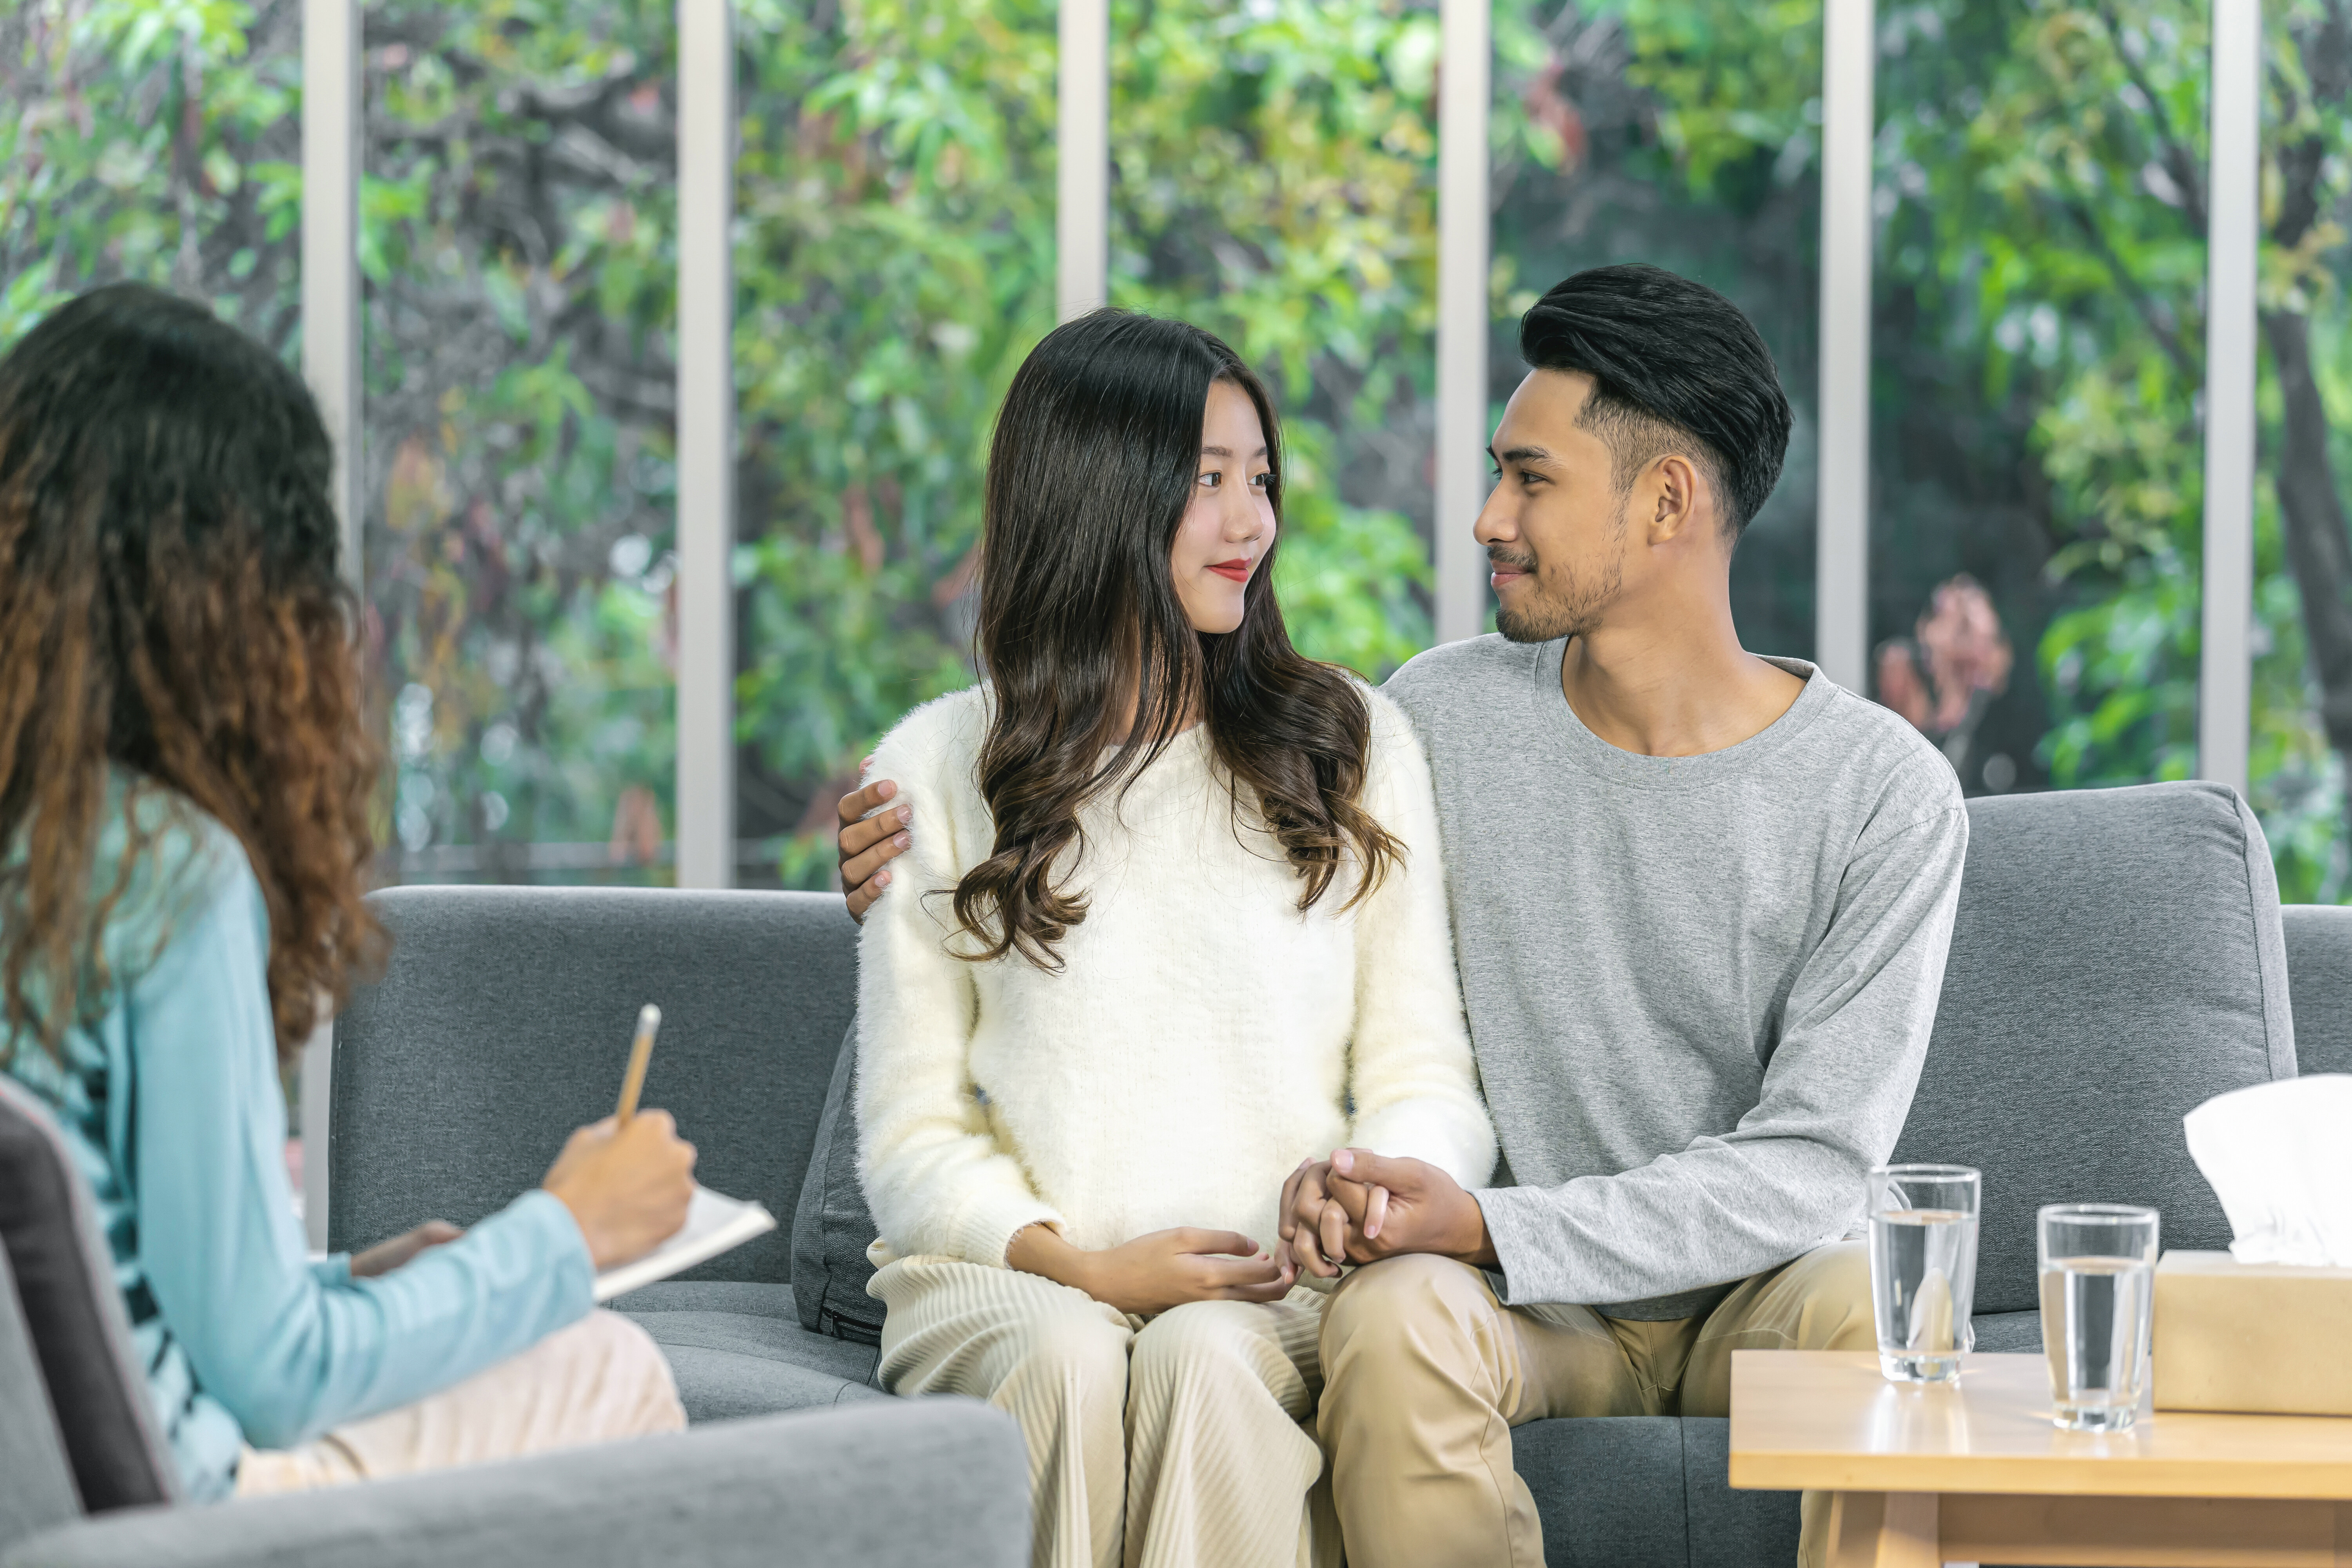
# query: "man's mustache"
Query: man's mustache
1502,560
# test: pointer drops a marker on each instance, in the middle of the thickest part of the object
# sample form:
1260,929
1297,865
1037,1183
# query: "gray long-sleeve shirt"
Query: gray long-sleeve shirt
1700,988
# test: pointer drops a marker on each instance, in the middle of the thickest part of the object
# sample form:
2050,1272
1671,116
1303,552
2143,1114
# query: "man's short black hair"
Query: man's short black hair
1672,362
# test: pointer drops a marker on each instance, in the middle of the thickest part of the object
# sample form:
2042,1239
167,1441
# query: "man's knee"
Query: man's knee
1401,1299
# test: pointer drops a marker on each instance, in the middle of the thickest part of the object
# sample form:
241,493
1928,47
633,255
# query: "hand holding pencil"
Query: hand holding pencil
627,1180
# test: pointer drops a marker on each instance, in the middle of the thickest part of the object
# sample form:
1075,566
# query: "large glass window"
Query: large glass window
2038,346
156,143
2303,549
519,248
1274,181
894,263
1686,135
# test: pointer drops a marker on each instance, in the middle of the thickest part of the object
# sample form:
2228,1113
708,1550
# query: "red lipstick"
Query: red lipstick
1237,569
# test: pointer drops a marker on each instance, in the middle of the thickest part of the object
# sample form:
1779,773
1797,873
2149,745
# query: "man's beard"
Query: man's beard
1573,610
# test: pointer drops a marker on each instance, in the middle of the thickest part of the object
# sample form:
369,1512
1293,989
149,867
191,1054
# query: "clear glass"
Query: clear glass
894,264
518,249
2038,346
1923,1268
1687,134
2303,493
1274,180
2099,1301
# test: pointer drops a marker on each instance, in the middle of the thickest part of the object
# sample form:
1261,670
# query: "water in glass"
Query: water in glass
2095,1317
1923,1273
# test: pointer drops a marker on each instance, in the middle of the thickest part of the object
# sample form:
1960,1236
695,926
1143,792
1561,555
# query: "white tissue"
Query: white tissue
2279,1156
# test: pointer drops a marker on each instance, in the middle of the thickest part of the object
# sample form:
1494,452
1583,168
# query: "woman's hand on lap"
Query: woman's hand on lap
1153,1273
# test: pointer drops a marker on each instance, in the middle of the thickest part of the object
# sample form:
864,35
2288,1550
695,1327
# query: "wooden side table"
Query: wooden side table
1976,1473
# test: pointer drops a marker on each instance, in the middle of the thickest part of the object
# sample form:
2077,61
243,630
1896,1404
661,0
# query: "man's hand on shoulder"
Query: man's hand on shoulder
1390,1206
866,845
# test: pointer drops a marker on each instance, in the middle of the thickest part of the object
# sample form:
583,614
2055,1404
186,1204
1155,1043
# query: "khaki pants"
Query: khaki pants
1428,1374
1165,1443
599,1379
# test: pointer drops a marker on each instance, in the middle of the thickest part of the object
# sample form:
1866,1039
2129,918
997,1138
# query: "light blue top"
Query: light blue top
170,1102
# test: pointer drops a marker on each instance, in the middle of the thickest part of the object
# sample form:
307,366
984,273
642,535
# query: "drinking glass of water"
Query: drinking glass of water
1923,1268
2098,1298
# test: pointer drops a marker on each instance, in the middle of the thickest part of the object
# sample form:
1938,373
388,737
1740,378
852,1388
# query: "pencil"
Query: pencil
641,1051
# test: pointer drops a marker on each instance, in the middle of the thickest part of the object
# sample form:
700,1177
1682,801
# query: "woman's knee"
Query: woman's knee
1079,1351
1224,1342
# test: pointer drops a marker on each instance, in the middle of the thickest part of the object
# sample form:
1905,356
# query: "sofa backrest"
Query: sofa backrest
2319,975
503,1020
2118,960
75,1432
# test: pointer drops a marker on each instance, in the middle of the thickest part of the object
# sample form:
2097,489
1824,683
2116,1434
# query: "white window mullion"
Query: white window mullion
1842,530
1465,60
1082,160
2234,218
706,443
330,363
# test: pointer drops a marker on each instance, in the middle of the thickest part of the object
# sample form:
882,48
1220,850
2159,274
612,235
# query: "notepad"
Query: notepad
714,1224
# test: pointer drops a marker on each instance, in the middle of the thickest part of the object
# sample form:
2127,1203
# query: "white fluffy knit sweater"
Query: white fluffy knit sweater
1203,1037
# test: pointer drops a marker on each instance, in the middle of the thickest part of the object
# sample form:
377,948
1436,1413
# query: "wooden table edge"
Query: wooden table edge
1834,1472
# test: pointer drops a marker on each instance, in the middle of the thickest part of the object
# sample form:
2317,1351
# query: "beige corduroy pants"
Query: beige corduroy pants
599,1379
1429,1373
1181,1441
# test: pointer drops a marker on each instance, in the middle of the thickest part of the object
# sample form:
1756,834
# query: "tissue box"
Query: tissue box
2262,1337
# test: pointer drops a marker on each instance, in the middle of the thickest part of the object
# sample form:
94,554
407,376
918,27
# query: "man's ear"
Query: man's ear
1675,501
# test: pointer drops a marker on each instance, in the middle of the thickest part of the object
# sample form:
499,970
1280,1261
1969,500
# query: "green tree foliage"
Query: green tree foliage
2038,316
1273,182
518,248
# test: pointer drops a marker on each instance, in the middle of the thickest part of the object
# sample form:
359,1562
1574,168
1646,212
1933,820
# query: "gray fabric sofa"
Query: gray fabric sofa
2119,957
84,1482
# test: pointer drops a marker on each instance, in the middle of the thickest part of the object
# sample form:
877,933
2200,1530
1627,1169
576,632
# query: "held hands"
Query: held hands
1153,1273
1360,1207
628,1187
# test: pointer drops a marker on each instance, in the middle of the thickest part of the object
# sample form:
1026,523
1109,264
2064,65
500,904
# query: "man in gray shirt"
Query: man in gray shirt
1701,903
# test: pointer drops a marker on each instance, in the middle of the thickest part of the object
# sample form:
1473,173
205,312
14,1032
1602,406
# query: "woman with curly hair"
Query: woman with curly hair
1172,924
185,773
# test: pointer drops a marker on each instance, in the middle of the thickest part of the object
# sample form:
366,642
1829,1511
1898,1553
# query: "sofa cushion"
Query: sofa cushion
66,1299
503,1019
2008,1332
2116,960
1731,1528
2319,977
1608,1491
831,1228
737,1349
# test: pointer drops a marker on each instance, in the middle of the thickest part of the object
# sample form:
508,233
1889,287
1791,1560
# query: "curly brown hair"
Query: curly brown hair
169,605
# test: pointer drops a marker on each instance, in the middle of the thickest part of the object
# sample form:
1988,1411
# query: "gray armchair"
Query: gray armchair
85,1484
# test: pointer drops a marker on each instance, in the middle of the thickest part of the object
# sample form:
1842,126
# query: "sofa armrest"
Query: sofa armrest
907,1482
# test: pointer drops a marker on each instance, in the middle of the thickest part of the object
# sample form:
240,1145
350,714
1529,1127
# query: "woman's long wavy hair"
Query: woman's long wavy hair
1092,468
169,603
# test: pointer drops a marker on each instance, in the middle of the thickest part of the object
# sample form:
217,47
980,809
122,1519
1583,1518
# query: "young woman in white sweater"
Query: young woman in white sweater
1173,923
